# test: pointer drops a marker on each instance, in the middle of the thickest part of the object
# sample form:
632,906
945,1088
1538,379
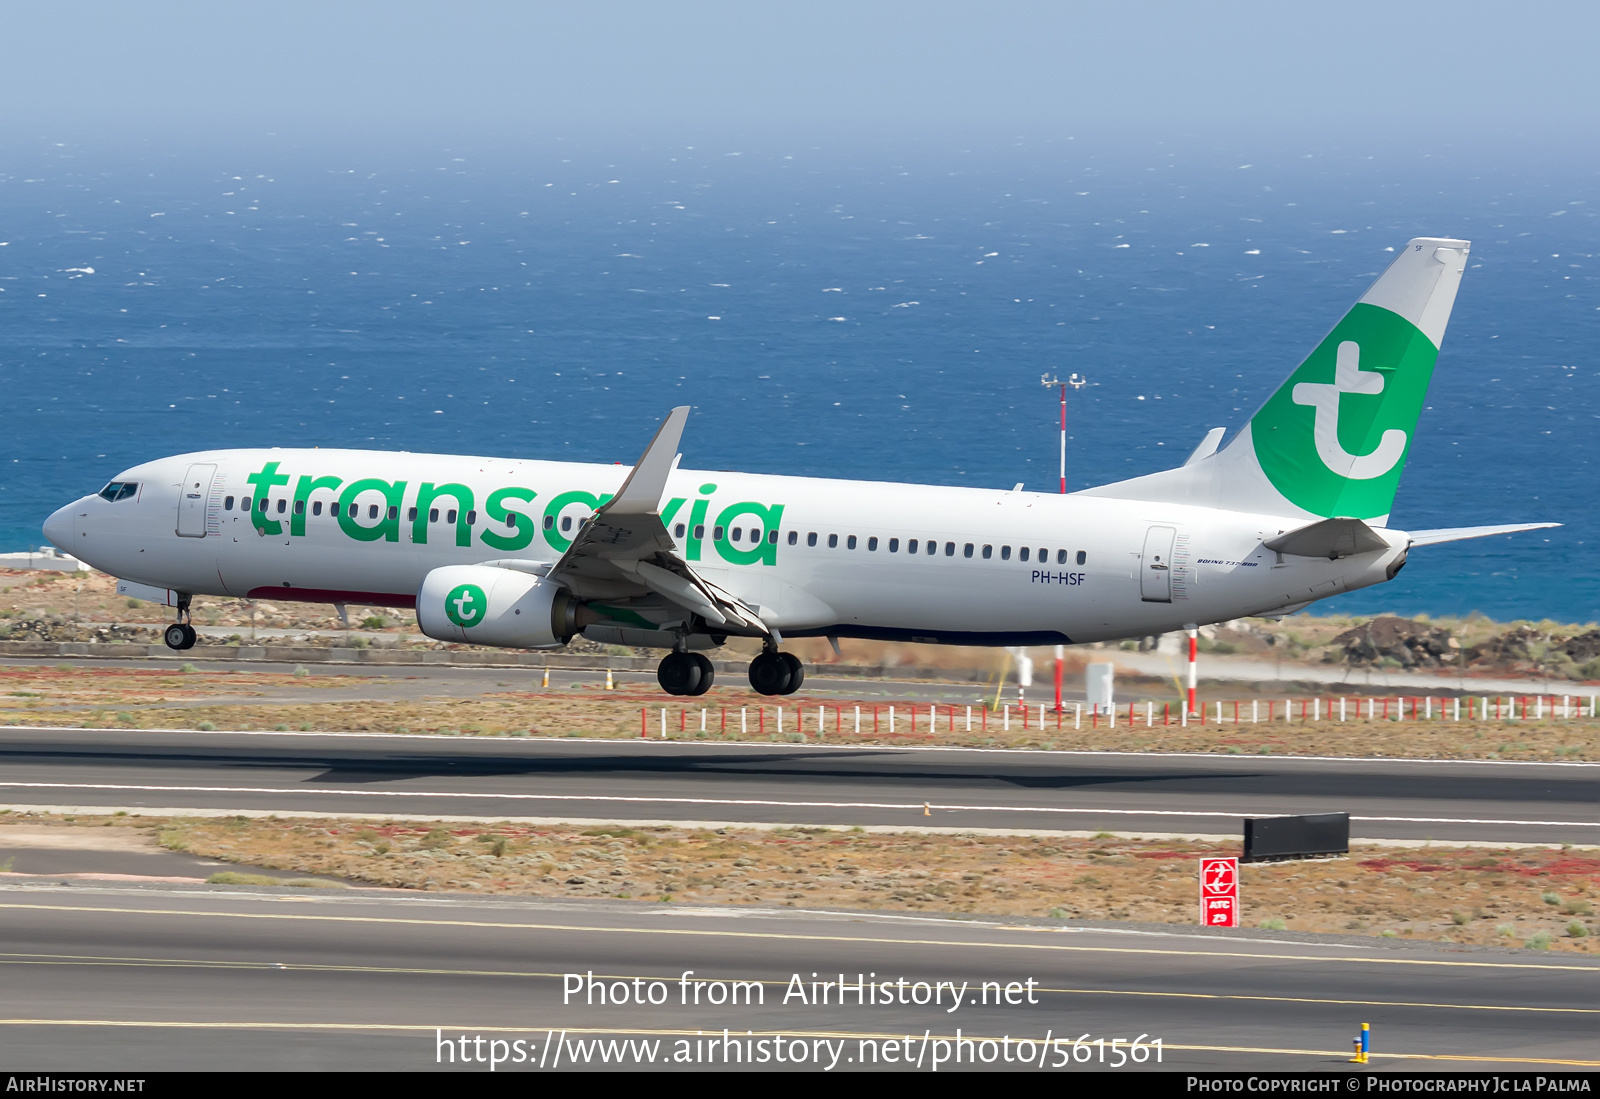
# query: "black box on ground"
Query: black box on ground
1268,838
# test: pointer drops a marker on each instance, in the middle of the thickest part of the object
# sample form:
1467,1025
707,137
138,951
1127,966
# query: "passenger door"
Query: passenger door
193,497
1155,565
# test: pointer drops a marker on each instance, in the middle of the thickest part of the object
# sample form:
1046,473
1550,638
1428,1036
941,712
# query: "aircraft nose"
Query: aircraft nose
58,528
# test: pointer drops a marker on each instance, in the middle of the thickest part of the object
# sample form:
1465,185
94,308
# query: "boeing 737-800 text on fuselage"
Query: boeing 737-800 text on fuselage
527,554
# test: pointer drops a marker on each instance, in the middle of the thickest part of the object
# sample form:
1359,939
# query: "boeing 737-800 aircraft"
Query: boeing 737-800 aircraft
528,554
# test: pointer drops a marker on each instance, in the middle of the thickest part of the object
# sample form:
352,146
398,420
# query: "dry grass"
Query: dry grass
68,695
1510,897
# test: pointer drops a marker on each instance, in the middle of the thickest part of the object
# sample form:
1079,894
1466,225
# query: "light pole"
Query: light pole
1075,382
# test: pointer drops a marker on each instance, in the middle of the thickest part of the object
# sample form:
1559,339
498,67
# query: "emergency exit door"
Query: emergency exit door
1155,565
193,495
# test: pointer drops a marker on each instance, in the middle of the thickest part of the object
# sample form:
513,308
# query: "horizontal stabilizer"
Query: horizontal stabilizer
1458,534
1330,538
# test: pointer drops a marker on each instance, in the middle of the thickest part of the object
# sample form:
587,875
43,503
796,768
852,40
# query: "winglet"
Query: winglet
641,493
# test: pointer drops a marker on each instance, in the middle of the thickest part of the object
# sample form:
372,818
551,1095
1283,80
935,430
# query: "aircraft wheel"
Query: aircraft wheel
679,673
797,672
769,674
708,673
178,636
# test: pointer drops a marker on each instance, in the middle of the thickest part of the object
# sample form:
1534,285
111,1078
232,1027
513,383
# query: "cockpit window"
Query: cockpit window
120,490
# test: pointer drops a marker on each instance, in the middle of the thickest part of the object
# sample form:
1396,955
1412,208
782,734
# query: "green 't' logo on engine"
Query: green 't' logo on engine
465,605
1333,439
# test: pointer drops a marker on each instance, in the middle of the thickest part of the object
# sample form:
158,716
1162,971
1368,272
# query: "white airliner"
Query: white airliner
527,554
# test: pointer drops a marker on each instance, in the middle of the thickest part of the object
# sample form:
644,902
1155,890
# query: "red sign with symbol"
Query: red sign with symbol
1219,892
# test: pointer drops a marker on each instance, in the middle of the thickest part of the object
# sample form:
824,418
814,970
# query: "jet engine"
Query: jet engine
484,605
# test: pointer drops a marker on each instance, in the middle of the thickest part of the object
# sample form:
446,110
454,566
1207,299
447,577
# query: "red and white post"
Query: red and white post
1194,668
1061,654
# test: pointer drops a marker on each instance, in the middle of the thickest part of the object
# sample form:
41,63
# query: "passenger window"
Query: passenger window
549,522
411,515
772,536
433,515
738,533
1083,558
850,542
894,545
833,541
316,507
244,505
333,510
1022,554
1005,553
932,547
299,507
511,520
227,503
794,537
372,511
263,505
283,506
678,530
566,521
699,530
988,552
811,539
967,550
394,511
472,518
949,549
872,544
911,546
1061,557
716,534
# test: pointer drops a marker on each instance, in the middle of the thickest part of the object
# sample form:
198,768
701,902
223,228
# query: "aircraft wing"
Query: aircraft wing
625,550
1457,534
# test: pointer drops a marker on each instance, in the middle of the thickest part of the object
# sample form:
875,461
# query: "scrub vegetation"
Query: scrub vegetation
1533,897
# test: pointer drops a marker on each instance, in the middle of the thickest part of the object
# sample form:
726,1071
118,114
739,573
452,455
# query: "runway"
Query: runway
503,778
149,978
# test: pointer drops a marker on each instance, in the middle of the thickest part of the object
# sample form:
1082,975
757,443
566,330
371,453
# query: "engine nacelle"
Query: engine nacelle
482,605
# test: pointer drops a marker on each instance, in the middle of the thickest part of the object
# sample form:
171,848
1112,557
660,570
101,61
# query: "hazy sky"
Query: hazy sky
856,68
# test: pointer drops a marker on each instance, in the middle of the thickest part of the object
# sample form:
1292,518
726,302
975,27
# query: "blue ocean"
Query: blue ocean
868,312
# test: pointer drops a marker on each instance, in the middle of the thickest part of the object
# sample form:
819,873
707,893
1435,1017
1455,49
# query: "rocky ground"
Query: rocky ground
1531,896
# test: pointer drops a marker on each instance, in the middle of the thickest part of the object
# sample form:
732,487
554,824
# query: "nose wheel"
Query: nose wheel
180,636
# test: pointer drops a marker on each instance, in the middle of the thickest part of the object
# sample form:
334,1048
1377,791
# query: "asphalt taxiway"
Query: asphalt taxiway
98,977
507,778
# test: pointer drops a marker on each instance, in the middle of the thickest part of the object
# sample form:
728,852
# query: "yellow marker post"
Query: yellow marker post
546,681
610,683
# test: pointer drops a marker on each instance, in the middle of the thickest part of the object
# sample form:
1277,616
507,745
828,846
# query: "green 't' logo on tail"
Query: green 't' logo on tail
1333,439
465,605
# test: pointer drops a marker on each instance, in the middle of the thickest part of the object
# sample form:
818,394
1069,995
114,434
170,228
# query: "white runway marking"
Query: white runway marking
323,792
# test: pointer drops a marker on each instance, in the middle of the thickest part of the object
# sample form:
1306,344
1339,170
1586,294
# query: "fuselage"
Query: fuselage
816,556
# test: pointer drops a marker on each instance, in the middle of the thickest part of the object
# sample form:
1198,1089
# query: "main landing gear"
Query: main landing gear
685,673
771,673
180,635
775,673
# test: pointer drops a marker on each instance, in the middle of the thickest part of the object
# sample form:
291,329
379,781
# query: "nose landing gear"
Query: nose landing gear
180,635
